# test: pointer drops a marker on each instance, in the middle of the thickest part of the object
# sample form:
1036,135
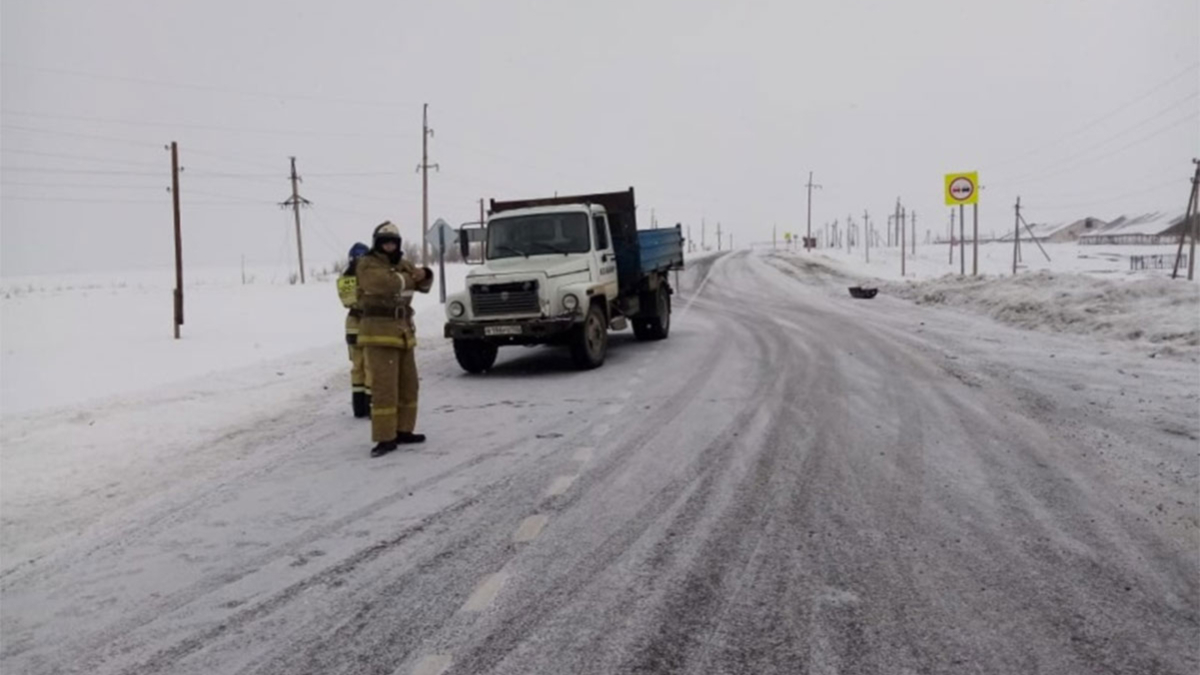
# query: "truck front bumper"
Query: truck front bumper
516,332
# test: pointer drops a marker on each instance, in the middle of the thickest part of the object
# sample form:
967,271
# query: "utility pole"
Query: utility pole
296,201
691,245
867,233
178,238
718,236
914,233
1190,218
901,216
703,230
1016,235
810,185
426,132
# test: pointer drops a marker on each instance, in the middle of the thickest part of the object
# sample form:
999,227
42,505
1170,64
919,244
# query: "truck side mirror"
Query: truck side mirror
464,244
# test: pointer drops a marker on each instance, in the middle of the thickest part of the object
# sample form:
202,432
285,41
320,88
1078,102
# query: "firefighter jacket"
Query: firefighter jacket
385,292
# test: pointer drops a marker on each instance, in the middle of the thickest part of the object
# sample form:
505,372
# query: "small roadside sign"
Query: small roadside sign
962,188
442,231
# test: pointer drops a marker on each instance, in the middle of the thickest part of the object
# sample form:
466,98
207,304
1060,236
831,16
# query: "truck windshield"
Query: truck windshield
544,234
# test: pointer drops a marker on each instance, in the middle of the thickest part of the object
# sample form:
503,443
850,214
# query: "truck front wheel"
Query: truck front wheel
475,356
590,342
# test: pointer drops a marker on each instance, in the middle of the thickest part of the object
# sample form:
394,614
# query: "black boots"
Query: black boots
383,448
361,402
403,437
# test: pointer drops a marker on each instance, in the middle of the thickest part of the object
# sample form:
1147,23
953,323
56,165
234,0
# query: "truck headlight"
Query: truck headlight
570,302
457,309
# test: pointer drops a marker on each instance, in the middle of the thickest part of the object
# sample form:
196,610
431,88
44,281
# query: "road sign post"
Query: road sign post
962,189
441,232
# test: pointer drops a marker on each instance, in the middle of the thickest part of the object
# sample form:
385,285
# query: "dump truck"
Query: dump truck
565,271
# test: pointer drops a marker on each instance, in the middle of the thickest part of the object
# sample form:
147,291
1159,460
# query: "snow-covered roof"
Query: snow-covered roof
1049,230
1147,223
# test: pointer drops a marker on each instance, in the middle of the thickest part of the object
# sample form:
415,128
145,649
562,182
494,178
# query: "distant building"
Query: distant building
1065,231
1146,229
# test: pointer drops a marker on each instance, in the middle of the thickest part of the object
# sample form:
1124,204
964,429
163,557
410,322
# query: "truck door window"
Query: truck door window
601,233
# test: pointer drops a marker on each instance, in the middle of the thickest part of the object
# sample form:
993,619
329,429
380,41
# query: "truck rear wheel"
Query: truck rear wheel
659,326
590,342
475,356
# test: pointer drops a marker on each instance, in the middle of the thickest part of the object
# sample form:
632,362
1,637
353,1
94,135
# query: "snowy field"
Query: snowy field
72,339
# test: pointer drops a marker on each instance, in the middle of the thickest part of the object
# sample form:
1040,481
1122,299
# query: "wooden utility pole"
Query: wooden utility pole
703,232
810,185
296,201
296,214
178,238
1016,235
718,236
903,231
1189,226
426,132
914,233
867,233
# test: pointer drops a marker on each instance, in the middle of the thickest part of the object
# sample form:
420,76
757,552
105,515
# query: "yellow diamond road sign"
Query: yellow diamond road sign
962,188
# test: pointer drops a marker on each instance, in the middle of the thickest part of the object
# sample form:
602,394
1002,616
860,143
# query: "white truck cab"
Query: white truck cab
552,274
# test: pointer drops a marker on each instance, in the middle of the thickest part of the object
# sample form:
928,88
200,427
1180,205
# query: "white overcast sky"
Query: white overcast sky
713,110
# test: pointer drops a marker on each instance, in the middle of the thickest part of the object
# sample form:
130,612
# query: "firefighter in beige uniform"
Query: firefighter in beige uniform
360,381
386,283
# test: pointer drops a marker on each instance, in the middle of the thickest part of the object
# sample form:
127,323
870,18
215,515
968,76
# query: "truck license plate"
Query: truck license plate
502,330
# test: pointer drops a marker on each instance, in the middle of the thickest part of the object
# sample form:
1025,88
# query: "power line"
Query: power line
1105,116
86,186
206,88
205,127
1093,160
162,202
82,158
59,170
1122,132
73,134
1116,198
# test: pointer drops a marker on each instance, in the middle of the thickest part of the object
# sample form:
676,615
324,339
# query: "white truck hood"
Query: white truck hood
548,265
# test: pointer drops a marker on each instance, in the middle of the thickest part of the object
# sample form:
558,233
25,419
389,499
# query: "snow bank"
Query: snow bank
1161,313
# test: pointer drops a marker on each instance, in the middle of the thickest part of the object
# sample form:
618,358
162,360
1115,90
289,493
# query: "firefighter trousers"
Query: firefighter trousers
393,378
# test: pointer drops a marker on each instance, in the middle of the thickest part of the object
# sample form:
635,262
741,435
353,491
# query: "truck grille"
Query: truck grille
510,298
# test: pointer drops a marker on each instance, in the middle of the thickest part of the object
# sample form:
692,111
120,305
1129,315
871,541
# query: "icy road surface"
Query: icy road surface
794,482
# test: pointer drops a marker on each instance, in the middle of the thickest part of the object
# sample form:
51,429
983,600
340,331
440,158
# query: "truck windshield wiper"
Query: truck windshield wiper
514,250
552,247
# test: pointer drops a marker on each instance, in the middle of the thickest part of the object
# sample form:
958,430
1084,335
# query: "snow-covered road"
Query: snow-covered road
794,482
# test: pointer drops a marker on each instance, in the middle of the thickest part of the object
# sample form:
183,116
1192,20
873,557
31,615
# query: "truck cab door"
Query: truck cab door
605,257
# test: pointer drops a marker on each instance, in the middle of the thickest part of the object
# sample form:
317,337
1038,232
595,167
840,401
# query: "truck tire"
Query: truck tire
475,356
659,326
641,329
589,345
